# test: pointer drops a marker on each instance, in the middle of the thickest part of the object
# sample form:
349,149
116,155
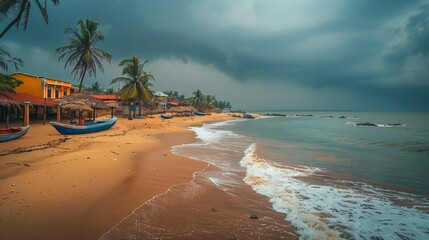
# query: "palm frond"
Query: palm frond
26,15
43,11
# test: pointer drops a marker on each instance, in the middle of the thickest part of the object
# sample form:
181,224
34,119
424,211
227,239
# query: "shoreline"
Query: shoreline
205,209
51,190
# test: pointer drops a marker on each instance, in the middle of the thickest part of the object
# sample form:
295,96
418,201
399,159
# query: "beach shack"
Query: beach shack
43,87
42,93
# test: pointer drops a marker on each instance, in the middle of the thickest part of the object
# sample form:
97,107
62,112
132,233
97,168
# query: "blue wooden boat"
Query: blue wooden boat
166,116
7,134
90,127
199,113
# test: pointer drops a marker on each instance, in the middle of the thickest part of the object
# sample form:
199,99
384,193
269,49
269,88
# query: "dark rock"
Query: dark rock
253,216
366,124
394,124
249,116
343,117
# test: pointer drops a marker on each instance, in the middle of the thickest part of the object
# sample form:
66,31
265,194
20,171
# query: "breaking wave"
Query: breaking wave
336,209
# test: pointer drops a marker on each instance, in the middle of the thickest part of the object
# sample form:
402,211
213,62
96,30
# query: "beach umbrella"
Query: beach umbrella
76,106
112,105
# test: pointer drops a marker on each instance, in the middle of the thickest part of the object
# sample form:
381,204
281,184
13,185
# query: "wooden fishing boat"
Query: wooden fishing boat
166,116
90,127
199,113
7,134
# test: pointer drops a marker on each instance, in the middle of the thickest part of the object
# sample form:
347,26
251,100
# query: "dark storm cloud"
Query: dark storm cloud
373,47
416,39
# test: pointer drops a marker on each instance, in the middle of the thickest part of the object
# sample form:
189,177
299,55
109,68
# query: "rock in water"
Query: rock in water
249,116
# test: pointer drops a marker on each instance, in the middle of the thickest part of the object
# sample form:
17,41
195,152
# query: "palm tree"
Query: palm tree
81,51
209,102
199,100
136,81
6,58
22,10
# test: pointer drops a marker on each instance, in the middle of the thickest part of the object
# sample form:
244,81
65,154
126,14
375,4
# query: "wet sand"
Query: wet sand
201,210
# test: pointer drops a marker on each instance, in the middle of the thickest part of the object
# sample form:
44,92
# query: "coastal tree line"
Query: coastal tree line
82,54
199,100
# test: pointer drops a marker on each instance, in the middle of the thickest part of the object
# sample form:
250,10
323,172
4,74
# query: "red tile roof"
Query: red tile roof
174,104
106,97
21,97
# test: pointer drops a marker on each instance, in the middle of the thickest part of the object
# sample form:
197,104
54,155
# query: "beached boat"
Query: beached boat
199,113
7,134
166,116
90,127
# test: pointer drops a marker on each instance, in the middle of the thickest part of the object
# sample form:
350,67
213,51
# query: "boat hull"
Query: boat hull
13,133
97,126
166,116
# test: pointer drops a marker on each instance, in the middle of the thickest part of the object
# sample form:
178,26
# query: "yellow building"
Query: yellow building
43,87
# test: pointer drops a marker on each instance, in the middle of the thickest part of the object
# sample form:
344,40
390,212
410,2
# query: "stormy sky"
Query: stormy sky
258,54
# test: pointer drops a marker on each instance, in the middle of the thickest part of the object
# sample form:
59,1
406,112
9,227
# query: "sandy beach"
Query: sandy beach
78,187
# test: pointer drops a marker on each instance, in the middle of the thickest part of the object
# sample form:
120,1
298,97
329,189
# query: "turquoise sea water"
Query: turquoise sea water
334,178
394,156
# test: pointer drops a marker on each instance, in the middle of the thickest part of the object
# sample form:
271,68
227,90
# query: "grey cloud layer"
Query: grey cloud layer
374,47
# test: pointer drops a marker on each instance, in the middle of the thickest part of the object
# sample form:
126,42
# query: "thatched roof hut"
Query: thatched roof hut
9,103
80,98
182,109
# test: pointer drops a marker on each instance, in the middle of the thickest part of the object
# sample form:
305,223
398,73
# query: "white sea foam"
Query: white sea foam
208,134
330,212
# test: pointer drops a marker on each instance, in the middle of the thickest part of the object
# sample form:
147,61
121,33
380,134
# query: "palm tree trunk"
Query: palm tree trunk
130,117
81,79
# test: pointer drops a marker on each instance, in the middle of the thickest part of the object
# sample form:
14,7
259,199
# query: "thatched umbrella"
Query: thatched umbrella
77,106
7,104
112,105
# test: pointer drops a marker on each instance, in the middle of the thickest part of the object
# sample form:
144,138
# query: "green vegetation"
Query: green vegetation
200,101
81,51
136,81
8,83
205,102
175,95
6,59
97,89
21,10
